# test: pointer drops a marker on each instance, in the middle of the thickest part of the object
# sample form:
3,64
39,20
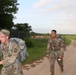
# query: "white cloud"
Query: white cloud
42,3
63,14
67,6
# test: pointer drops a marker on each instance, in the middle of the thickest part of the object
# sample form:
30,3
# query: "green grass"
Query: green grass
73,37
67,41
69,38
38,51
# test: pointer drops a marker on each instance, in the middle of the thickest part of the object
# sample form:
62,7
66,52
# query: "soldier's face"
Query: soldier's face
53,34
3,38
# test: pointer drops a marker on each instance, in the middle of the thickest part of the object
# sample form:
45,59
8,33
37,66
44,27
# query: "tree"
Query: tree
24,27
7,10
21,30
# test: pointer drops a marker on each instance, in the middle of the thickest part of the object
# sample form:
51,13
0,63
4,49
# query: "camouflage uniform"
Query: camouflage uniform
12,56
56,49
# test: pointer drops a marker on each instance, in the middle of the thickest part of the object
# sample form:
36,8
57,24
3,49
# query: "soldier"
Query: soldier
56,51
13,53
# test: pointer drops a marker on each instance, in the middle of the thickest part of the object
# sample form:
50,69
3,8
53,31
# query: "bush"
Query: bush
67,41
38,51
29,42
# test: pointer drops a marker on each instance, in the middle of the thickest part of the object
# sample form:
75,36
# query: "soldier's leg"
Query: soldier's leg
52,63
60,62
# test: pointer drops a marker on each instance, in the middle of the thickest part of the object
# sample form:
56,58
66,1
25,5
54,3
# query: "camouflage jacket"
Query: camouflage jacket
57,44
12,56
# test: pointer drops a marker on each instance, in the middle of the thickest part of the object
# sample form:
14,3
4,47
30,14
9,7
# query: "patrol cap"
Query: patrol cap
5,32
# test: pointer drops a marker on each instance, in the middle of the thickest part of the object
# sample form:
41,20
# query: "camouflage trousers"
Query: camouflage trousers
54,55
7,71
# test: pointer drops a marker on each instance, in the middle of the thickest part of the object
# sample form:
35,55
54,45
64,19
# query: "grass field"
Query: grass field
73,37
38,51
67,41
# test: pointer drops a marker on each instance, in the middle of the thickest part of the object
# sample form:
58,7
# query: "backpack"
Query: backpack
64,41
23,54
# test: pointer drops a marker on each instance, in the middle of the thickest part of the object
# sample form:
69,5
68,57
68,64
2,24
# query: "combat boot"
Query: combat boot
52,73
62,70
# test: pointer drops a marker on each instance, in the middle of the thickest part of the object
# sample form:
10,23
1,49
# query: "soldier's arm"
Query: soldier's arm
48,47
62,45
10,60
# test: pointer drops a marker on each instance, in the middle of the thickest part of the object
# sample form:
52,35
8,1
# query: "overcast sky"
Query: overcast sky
45,15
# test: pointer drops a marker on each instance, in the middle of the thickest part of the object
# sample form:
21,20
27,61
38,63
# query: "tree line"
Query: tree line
8,9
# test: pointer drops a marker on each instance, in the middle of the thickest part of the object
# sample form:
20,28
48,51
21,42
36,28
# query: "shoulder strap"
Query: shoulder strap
50,40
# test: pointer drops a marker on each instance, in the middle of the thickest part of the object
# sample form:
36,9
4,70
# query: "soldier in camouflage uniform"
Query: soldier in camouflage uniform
13,52
56,51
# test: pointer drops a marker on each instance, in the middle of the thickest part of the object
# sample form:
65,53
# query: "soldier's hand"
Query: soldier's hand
1,62
60,56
